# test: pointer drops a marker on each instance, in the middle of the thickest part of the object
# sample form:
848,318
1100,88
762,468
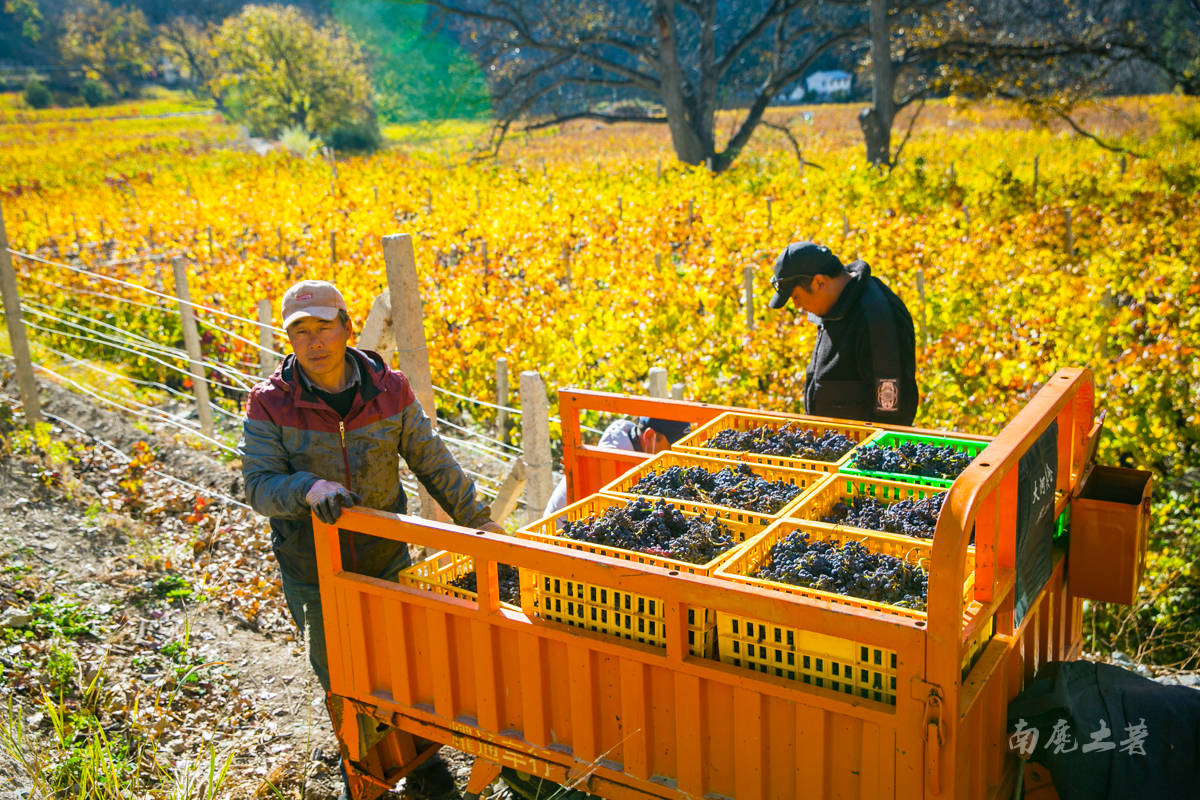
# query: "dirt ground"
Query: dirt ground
185,633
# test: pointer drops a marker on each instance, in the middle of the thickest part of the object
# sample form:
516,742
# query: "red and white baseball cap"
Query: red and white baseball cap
319,299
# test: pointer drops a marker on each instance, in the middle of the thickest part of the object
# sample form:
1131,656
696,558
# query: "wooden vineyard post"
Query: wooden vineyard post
191,338
502,398
266,339
535,440
509,493
16,331
408,323
657,382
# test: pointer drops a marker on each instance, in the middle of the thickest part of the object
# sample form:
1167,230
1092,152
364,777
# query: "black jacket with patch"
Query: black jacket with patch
864,364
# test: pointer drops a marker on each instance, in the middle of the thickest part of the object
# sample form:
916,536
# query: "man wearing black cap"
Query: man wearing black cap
864,364
643,435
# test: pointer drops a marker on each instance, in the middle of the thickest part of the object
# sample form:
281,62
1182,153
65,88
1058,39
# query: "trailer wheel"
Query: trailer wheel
527,787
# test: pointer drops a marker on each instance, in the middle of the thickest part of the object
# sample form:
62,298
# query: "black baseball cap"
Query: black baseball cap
672,429
797,260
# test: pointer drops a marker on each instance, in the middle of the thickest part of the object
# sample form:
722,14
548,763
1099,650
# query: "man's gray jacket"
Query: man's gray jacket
291,438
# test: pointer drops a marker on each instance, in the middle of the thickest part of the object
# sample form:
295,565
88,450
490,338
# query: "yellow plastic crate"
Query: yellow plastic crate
831,662
806,480
435,573
819,502
606,610
697,441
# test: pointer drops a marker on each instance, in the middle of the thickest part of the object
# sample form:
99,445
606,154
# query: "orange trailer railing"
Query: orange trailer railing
623,719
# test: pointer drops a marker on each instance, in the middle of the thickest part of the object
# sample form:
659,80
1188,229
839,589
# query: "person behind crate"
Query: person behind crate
323,433
863,365
643,435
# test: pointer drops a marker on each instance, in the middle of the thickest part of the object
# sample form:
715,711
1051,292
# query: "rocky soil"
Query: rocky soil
134,584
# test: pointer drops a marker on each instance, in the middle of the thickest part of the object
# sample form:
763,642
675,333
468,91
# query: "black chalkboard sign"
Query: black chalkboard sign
1037,476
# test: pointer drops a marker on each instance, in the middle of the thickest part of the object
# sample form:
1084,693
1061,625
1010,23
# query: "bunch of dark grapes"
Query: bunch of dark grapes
913,458
787,440
908,517
654,527
510,584
848,569
735,487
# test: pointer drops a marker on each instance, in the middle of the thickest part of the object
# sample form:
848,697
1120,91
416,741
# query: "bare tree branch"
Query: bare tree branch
908,132
795,144
596,115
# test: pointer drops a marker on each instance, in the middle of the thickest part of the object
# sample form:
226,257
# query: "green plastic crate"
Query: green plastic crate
971,447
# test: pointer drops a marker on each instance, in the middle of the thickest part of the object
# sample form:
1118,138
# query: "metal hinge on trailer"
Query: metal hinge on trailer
933,730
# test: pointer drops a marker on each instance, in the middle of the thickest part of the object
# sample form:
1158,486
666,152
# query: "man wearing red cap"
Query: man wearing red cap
864,363
323,433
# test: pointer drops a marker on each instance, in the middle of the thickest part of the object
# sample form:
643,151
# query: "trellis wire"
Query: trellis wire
158,416
202,490
247,381
509,409
147,290
151,384
485,438
106,342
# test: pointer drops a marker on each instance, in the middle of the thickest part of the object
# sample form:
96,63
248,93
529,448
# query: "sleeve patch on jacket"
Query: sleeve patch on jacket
887,394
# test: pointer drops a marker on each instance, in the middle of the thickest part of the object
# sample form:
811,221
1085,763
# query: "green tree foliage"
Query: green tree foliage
29,15
36,94
112,44
189,43
419,73
280,69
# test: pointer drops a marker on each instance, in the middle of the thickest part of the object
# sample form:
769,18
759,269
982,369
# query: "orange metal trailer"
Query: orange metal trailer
625,719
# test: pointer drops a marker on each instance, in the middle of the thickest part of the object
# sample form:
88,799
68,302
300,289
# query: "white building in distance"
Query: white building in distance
829,83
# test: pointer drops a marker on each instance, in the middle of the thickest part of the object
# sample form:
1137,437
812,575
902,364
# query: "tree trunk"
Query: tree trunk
691,144
876,121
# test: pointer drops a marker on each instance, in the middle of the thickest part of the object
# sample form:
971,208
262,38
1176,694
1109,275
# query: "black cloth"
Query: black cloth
341,402
864,364
1108,734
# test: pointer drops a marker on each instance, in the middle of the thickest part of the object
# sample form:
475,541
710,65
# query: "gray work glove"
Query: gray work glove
328,498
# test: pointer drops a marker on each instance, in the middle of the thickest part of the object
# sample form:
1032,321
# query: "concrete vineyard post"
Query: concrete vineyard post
333,247
535,439
266,339
656,384
509,493
677,391
501,398
1035,178
191,339
16,331
845,225
1070,235
408,323
769,222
